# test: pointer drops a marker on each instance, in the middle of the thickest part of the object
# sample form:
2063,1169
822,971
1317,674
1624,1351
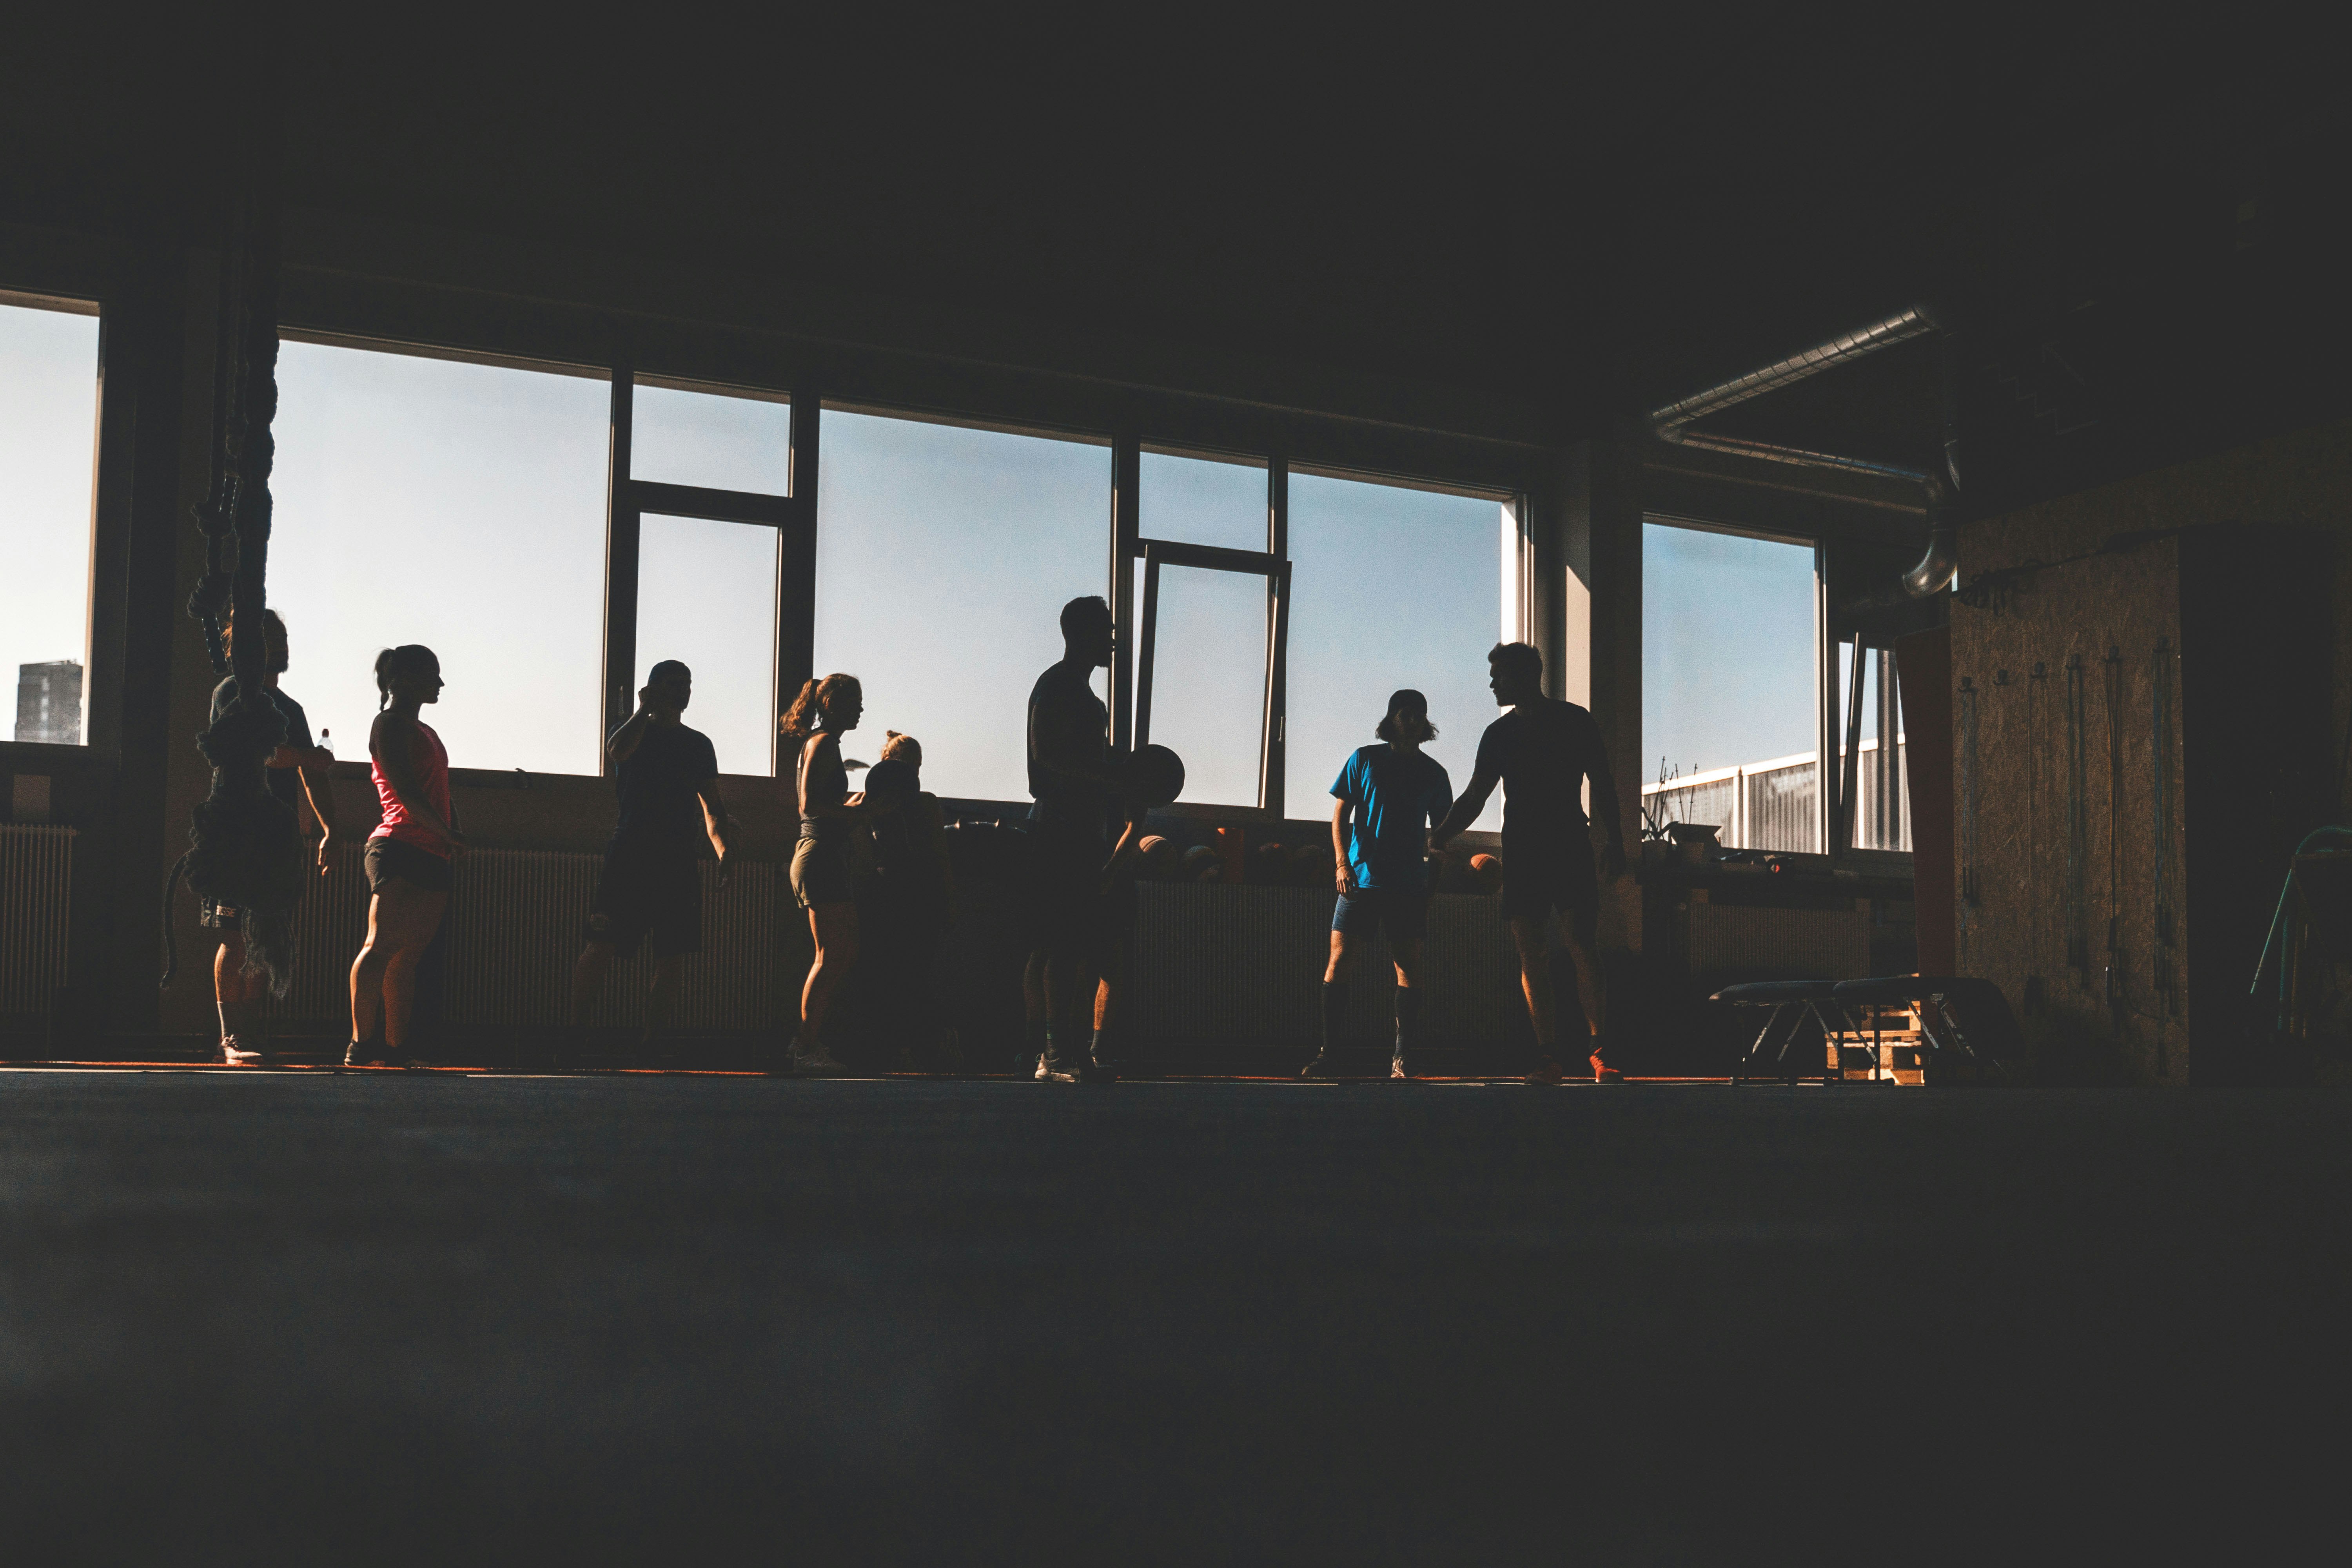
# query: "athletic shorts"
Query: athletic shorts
1539,879
1403,912
647,892
390,858
1070,911
821,873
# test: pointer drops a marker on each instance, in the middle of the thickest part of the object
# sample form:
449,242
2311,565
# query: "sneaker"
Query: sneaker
1603,1073
813,1061
234,1055
1075,1072
1546,1071
376,1054
1396,1070
1323,1065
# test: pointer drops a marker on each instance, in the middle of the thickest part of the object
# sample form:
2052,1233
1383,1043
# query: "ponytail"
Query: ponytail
807,711
408,659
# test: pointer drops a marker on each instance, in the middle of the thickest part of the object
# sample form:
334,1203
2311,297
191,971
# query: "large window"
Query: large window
707,596
944,556
457,505
48,439
1201,682
1728,683
553,534
1392,587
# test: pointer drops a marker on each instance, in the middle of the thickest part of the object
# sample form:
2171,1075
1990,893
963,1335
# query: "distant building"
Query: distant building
49,702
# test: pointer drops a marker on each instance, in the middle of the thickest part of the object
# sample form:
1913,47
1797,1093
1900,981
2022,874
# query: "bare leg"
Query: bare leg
1583,953
1535,976
1407,954
402,919
588,978
834,928
1033,1008
1338,964
662,995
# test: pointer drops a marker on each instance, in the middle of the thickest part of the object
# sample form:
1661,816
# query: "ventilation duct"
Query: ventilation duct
1937,567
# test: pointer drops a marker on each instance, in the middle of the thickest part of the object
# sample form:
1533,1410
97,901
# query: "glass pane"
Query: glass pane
707,596
1371,611
1208,680
944,557
48,439
720,441
460,506
1202,500
1727,685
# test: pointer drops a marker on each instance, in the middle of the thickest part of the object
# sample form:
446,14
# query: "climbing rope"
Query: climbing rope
245,846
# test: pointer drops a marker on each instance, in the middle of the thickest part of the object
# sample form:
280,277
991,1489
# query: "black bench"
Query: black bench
1792,1003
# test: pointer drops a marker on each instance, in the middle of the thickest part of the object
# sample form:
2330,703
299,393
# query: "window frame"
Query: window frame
793,516
92,292
1836,696
747,361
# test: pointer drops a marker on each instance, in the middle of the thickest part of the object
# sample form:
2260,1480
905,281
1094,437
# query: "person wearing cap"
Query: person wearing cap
667,776
1388,797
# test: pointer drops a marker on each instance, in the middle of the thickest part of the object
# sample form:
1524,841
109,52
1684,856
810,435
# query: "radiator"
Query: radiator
1244,965
36,909
1792,944
513,932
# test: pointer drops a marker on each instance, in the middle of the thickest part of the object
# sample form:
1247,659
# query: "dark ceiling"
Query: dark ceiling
1589,209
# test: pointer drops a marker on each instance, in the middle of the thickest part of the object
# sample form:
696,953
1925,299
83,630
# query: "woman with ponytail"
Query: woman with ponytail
813,726
408,856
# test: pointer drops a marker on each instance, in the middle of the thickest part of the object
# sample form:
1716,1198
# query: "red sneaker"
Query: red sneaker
1603,1073
1546,1071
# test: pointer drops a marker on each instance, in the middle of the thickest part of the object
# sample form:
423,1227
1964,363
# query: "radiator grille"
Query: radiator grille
514,931
1795,944
36,910
1229,965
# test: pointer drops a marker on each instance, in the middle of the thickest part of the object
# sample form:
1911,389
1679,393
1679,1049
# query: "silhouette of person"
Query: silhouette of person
667,776
908,905
297,770
1389,796
1081,931
824,710
408,856
1542,752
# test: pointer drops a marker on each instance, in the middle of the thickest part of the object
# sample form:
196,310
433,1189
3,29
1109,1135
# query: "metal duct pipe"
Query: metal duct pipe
1918,322
1941,563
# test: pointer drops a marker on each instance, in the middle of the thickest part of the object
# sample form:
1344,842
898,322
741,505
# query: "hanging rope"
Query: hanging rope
245,846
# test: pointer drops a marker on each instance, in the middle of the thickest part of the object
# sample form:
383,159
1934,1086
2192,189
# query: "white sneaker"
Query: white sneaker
234,1055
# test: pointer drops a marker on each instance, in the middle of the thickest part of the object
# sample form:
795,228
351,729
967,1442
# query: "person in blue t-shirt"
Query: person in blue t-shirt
1389,796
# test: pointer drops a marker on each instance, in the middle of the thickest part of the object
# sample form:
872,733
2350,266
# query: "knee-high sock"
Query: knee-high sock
1407,1009
1335,1003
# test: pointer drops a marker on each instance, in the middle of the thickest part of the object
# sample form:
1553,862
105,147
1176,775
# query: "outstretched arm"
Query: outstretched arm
1467,810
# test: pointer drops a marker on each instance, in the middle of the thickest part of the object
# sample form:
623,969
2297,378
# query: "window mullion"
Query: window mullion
621,558
1125,545
797,565
1277,633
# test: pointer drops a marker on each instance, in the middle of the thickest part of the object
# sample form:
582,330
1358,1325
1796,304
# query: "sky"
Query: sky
462,506
1728,649
49,441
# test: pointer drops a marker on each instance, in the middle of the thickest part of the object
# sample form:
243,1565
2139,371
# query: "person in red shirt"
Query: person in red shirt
408,858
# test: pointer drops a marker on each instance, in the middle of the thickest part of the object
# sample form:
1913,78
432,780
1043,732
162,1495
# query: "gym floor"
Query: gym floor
435,1317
